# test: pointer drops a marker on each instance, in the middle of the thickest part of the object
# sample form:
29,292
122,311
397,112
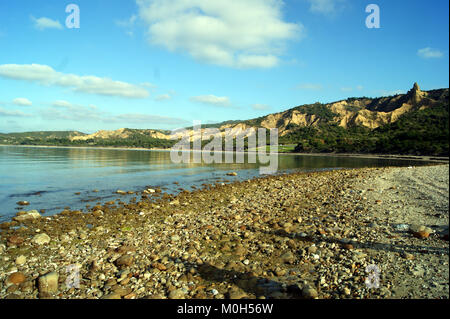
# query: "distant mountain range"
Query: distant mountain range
413,123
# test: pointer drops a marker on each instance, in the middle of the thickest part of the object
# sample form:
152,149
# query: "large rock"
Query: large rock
30,215
41,239
48,284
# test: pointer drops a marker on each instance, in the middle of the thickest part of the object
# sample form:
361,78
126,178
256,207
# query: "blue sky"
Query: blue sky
162,64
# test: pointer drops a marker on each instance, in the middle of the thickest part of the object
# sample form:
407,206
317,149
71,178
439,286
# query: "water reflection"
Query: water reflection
49,177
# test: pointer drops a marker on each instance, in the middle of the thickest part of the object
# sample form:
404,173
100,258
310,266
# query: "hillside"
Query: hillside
412,123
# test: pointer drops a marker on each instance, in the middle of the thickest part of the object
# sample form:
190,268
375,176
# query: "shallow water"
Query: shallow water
48,178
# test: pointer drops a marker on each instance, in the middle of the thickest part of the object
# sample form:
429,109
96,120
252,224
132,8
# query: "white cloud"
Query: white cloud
240,34
326,7
46,75
67,111
212,100
309,86
8,113
22,101
127,23
46,23
430,53
260,107
163,97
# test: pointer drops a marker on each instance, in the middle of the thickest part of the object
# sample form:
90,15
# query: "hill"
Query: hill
414,123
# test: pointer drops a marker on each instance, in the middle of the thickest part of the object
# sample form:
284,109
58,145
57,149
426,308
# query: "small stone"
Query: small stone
287,258
407,256
16,278
15,240
48,283
21,260
124,261
175,238
309,292
237,294
41,239
177,294
23,203
232,174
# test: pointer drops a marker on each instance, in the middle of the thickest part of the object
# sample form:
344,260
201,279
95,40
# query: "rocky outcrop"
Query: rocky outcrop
366,112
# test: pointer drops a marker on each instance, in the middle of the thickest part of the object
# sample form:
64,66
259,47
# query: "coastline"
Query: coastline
426,158
300,235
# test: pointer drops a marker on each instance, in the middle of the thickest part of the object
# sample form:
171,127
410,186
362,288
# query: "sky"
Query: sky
162,64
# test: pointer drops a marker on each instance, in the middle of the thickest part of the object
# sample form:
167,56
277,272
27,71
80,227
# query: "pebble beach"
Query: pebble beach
353,234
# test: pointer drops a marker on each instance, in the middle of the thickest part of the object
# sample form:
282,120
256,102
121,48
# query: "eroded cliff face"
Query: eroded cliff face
370,113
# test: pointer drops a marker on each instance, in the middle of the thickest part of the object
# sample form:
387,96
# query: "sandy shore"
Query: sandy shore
305,235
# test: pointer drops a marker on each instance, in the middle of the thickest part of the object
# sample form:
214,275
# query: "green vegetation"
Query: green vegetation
425,132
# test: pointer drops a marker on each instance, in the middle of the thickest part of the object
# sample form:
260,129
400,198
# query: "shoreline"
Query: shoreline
425,158
313,232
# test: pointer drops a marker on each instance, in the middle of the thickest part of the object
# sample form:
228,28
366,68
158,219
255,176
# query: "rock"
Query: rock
232,174
41,239
420,231
16,278
125,261
175,238
312,249
309,292
30,215
177,294
121,192
287,258
159,266
237,294
48,284
407,256
15,240
401,227
21,260
421,234
23,203
348,246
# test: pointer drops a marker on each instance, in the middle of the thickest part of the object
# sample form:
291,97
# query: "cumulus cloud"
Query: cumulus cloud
213,100
21,101
45,75
46,23
239,34
430,53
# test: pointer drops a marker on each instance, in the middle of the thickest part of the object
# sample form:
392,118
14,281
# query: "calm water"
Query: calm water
48,178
